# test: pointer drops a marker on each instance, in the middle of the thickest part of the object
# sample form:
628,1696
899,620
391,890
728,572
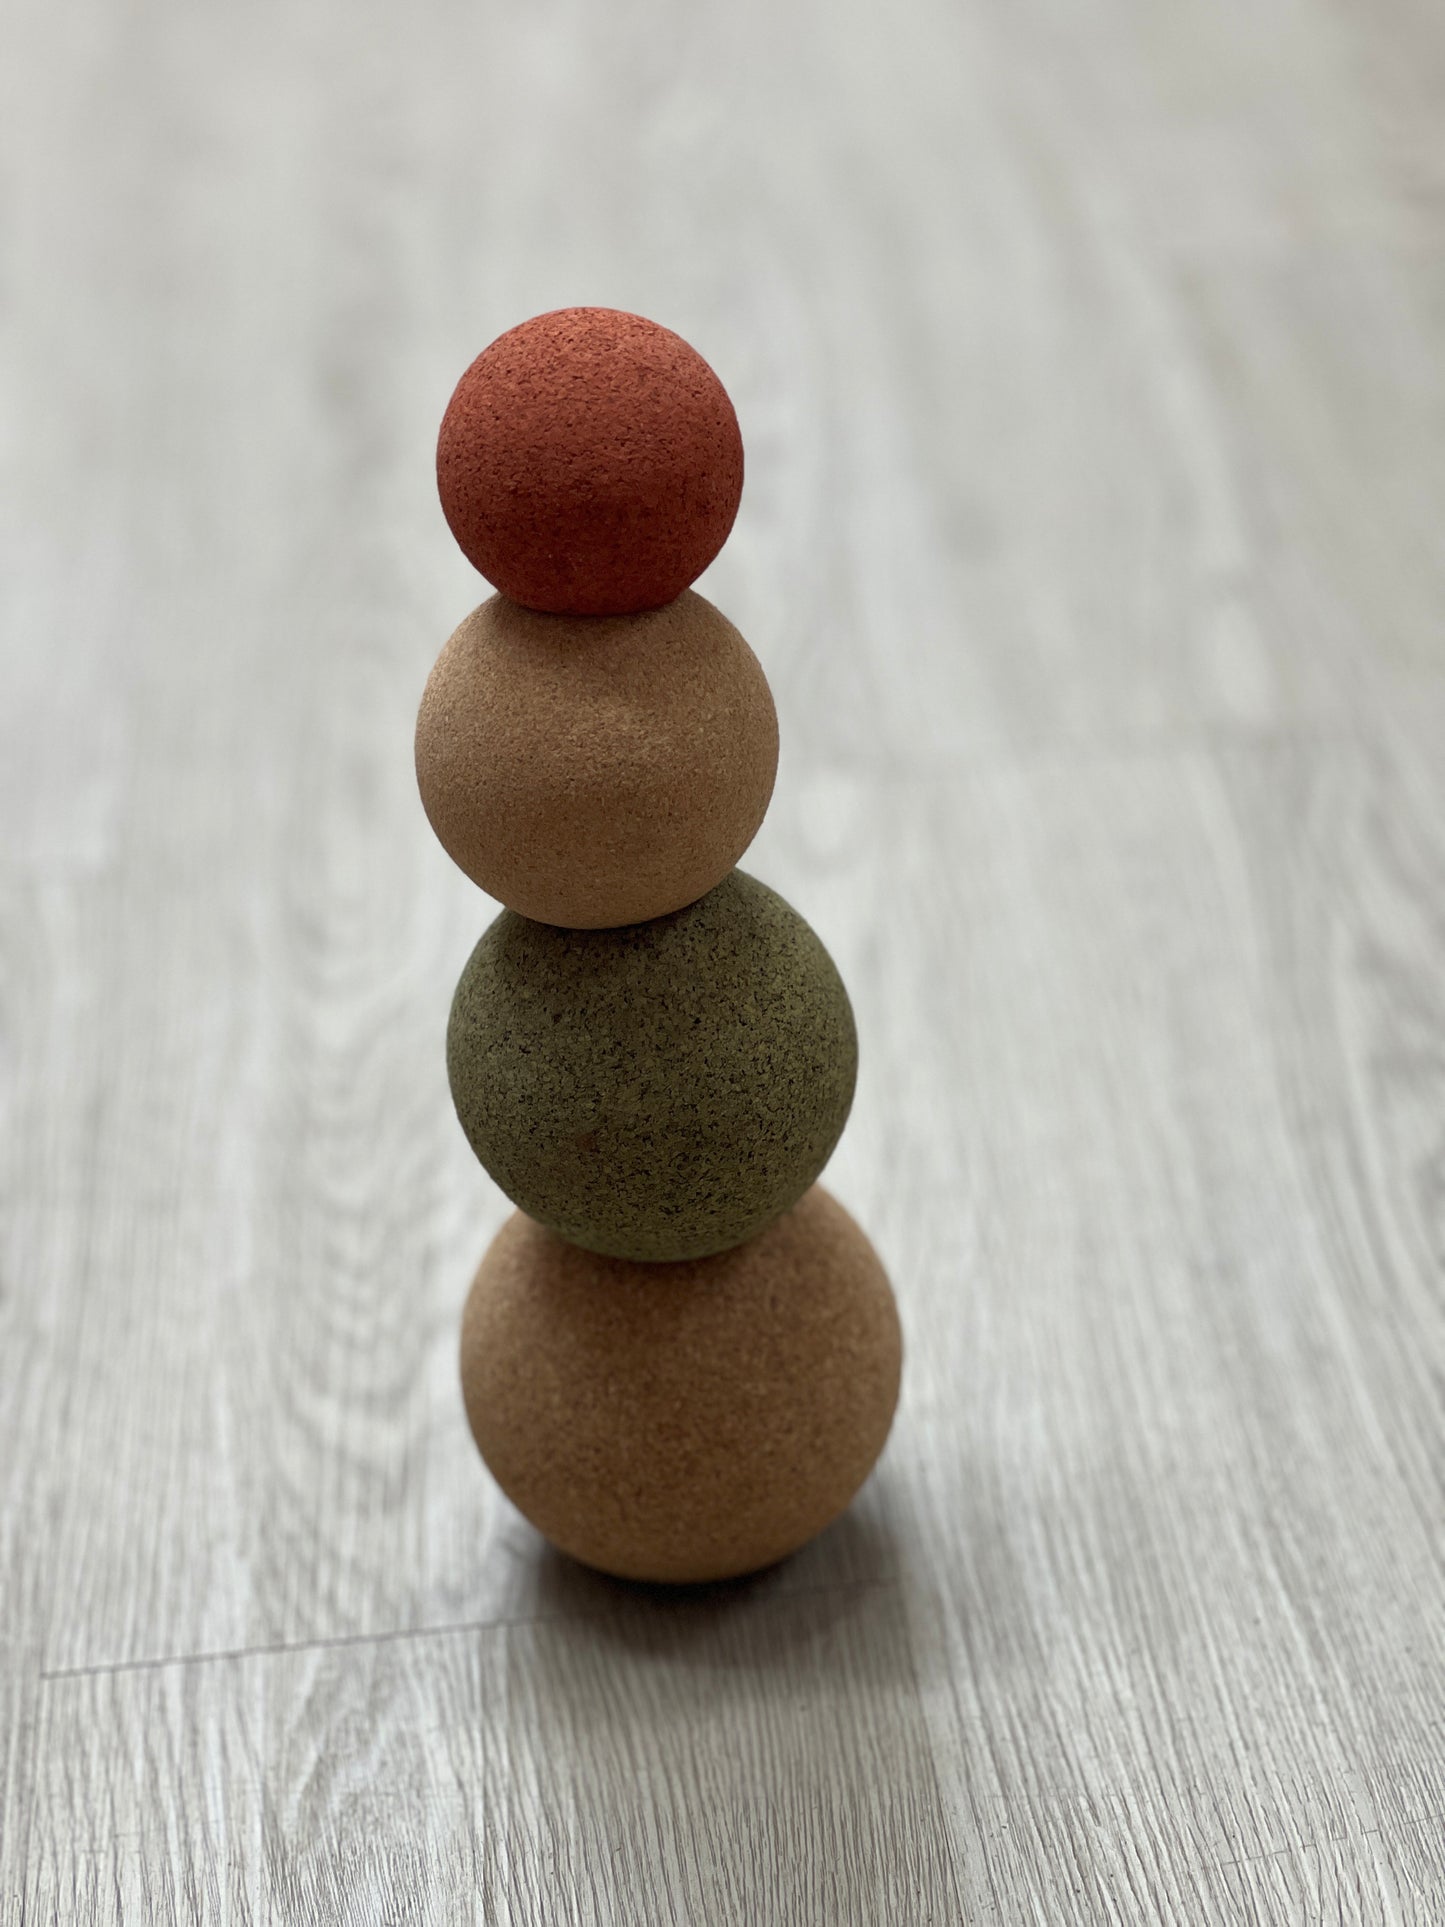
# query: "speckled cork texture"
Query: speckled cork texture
590,463
592,771
683,1422
661,1091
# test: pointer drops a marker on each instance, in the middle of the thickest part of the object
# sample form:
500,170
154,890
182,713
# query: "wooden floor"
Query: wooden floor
1089,359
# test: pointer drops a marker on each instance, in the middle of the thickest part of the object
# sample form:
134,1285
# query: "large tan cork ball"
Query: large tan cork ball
590,463
594,771
683,1422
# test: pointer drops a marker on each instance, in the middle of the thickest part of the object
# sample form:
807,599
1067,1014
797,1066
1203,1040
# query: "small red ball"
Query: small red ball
590,463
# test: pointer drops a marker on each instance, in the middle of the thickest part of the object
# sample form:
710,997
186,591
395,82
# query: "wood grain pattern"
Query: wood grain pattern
1089,364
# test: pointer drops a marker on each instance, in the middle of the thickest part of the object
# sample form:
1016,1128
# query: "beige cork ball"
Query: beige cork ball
683,1422
594,771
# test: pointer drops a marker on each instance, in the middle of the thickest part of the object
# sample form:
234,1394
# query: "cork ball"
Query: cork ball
590,771
590,463
658,1092
683,1422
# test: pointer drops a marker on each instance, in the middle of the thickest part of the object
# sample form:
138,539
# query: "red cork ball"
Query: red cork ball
590,463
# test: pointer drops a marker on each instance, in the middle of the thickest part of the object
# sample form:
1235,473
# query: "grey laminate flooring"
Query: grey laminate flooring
1089,358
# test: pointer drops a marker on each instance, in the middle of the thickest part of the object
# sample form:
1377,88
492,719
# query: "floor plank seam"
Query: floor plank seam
1038,755
55,1675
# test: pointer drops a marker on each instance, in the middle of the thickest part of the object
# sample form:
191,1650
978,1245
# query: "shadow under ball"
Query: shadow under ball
683,1422
662,1091
596,770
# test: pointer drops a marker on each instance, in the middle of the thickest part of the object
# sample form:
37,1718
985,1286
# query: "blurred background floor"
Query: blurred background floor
1089,360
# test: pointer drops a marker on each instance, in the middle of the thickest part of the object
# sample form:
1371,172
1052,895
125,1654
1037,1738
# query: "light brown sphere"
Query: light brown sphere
591,771
683,1422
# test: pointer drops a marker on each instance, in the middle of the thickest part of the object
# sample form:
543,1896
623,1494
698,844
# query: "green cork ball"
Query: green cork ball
660,1091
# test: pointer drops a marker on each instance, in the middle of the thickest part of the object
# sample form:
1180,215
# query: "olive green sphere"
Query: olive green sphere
661,1091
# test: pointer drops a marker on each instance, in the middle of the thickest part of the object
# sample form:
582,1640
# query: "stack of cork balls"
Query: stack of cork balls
680,1357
